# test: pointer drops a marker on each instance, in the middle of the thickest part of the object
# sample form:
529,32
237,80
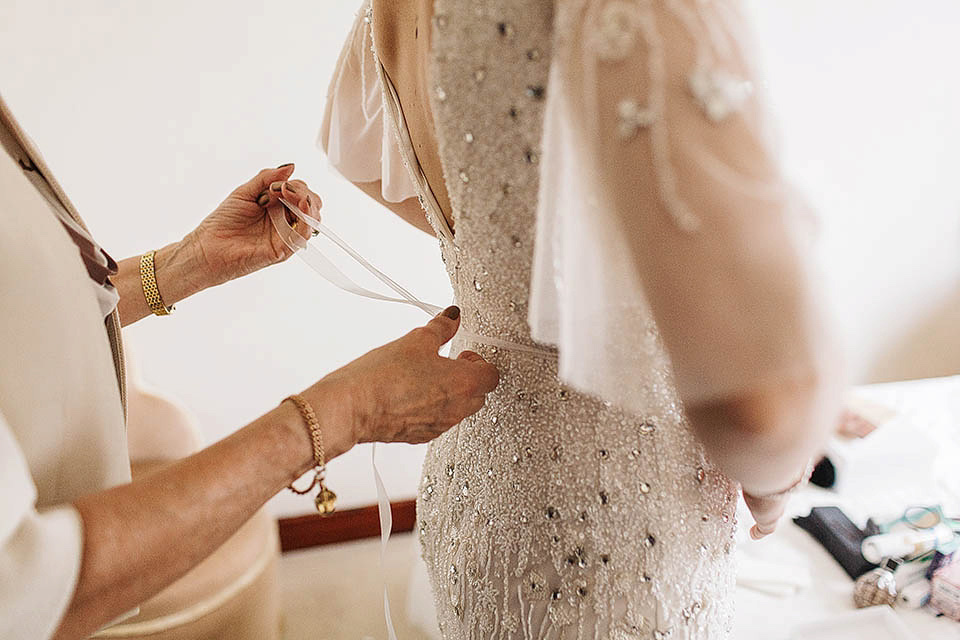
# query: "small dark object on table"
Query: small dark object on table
839,536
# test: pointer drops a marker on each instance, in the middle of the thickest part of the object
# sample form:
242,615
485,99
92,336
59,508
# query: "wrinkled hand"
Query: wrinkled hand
766,512
238,238
406,392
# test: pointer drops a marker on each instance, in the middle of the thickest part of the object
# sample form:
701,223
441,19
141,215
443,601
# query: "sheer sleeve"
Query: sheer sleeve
358,141
665,229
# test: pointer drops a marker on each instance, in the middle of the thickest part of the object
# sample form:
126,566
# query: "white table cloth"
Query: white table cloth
912,458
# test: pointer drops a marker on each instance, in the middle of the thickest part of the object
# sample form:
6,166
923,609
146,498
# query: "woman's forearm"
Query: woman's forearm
141,537
766,439
179,271
236,239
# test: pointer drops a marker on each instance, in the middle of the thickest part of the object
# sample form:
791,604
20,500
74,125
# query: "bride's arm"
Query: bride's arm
676,137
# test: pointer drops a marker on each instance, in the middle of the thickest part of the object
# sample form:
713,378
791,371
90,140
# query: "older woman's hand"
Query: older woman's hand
404,391
238,237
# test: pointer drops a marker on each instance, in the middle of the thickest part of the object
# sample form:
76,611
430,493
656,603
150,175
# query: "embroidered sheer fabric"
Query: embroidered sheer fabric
660,191
615,195
655,148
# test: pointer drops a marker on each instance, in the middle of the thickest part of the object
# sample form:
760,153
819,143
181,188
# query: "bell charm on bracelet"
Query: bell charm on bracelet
326,500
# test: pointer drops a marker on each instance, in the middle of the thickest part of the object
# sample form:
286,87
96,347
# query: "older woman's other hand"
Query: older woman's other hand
406,392
238,237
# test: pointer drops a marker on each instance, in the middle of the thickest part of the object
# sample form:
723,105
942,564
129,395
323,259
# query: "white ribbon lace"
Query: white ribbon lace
316,260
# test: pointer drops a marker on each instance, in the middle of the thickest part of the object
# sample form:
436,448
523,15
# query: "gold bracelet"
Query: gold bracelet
148,280
325,500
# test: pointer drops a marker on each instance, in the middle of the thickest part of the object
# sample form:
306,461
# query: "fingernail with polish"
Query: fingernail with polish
452,312
263,199
276,186
289,164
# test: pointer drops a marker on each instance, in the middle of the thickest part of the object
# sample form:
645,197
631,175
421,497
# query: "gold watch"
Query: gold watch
148,279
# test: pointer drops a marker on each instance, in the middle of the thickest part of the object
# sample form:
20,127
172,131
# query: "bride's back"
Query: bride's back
548,514
402,37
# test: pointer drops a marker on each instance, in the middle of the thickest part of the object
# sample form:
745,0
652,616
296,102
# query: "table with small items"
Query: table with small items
908,468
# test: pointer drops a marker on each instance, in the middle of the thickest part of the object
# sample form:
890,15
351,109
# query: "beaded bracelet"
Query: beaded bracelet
325,500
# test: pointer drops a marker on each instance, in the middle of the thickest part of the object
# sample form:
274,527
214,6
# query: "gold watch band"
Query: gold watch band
148,279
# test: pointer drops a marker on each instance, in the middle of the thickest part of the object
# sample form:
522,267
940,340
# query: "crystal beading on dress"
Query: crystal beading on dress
550,513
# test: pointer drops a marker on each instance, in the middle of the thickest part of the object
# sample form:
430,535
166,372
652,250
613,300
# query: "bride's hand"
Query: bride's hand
766,511
238,237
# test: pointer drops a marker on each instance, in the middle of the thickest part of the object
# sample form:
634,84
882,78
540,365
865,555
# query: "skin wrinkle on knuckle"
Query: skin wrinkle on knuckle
418,335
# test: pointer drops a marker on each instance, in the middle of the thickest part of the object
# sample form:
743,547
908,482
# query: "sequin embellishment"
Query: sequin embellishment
548,496
718,93
616,33
631,117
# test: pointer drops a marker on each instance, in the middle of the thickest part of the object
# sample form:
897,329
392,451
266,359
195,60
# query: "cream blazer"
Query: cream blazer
62,395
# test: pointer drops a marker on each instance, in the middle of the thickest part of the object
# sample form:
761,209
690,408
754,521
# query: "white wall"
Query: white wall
151,111
864,93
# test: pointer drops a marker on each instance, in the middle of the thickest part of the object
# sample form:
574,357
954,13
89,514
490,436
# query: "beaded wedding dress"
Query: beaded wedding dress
551,513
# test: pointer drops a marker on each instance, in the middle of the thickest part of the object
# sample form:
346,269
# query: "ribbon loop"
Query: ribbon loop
329,271
315,259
